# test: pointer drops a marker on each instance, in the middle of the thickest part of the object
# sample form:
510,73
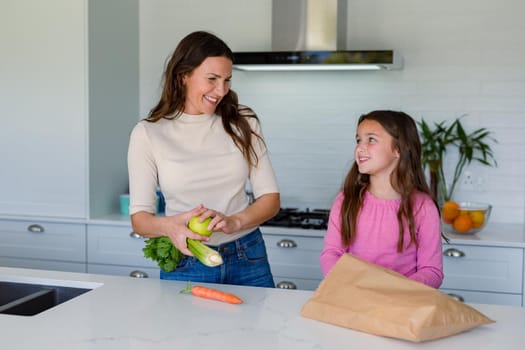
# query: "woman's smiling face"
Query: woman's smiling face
206,85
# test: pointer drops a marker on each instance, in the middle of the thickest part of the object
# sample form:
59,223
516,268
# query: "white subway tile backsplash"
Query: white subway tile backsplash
496,71
495,103
503,88
449,87
433,102
311,136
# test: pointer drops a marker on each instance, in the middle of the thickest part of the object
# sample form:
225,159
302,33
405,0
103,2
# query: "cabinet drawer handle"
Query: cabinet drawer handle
35,228
457,297
286,285
134,234
453,253
138,274
286,243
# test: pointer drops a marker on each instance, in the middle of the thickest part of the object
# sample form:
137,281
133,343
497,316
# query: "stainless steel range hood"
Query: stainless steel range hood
311,35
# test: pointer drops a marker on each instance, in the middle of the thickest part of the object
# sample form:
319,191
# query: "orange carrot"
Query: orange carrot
210,293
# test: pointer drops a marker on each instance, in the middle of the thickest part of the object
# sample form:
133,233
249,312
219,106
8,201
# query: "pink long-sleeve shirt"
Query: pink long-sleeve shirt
377,235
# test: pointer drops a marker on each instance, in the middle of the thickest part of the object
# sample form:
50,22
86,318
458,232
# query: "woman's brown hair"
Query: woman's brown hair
406,179
188,55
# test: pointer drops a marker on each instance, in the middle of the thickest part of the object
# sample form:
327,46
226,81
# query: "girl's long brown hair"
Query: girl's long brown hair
406,179
188,55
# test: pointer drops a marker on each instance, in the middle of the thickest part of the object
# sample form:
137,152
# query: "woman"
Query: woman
201,147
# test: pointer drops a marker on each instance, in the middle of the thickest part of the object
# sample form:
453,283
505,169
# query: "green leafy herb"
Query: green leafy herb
162,251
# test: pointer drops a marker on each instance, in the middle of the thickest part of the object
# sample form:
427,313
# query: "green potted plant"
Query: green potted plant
438,139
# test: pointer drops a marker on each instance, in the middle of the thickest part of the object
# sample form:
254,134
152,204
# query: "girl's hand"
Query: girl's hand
176,228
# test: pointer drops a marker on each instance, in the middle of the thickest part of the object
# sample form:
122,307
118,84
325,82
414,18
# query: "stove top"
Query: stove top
307,219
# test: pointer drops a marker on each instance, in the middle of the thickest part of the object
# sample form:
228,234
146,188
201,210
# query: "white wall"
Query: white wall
460,58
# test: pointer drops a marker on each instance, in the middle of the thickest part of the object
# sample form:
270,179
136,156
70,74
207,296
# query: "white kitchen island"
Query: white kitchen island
130,313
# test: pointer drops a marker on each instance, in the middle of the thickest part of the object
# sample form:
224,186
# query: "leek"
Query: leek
205,254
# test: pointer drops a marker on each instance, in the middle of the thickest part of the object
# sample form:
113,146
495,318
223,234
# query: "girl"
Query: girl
385,214
201,146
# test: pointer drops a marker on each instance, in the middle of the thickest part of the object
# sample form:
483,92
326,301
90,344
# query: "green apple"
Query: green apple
200,227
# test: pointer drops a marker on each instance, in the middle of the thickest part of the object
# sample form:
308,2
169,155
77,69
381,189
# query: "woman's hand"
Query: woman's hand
264,208
220,222
176,228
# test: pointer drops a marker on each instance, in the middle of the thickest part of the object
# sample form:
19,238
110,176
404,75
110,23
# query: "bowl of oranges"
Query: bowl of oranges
465,218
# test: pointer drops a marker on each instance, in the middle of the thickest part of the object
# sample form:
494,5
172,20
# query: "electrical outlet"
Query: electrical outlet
469,182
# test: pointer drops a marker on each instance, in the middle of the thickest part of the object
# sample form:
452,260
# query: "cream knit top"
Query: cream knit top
195,161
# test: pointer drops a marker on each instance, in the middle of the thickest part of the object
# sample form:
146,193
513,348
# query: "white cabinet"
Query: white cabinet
117,250
483,274
69,97
294,259
477,270
43,245
43,93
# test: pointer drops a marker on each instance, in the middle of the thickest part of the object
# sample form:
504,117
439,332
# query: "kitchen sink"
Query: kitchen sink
28,299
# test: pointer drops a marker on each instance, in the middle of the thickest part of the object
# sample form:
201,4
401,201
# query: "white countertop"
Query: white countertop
494,234
128,313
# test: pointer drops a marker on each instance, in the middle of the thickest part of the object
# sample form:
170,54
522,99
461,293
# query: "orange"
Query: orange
450,211
462,224
478,218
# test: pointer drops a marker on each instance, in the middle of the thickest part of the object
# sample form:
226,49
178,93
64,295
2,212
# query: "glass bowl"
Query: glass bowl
464,218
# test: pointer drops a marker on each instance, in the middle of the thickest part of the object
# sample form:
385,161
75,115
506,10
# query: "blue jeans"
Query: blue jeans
245,263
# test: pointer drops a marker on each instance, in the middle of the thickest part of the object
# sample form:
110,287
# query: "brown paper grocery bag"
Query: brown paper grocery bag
368,298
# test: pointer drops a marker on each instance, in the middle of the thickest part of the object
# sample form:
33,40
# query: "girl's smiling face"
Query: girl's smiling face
206,85
374,154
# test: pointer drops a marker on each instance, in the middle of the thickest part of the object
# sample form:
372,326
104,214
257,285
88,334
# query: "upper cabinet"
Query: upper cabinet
69,98
113,99
43,90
